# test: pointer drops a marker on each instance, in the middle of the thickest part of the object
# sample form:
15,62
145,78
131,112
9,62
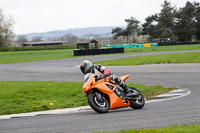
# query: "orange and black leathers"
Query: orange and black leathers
102,70
106,73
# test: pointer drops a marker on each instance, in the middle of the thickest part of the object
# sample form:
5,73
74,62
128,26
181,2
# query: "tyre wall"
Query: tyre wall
78,52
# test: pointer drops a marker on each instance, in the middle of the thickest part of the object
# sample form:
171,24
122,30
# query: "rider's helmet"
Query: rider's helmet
86,66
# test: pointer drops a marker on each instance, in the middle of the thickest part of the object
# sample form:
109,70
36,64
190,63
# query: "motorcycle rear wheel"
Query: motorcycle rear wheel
137,104
96,105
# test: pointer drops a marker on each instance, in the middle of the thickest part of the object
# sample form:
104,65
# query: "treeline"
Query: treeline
69,38
171,23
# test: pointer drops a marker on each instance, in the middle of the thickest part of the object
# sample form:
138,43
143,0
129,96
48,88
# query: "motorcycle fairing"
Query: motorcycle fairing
124,78
115,101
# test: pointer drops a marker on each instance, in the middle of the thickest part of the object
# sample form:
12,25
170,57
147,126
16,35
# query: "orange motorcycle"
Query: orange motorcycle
103,95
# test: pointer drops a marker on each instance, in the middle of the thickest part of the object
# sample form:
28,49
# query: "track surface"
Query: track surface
183,110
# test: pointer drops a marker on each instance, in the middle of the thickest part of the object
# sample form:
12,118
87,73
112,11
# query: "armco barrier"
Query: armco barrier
78,52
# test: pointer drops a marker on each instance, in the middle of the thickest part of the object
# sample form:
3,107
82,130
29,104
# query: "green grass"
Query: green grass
162,48
172,129
26,56
192,57
33,48
21,96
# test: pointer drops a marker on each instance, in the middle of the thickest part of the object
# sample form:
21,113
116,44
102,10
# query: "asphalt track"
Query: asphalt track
185,110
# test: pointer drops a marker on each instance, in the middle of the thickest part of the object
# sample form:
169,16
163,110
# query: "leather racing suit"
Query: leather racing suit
104,72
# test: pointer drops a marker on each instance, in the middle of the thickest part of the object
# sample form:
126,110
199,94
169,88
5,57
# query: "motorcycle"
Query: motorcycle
103,95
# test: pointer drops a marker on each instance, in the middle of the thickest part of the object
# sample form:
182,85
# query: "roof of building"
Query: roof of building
87,41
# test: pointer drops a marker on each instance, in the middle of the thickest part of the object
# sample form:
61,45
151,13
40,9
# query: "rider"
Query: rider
86,66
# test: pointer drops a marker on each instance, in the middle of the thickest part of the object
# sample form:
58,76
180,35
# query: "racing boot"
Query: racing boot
121,84
124,86
127,92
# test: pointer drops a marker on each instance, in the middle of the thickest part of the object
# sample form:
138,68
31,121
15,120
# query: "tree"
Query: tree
117,32
150,25
37,39
6,33
21,39
71,39
120,32
185,25
132,29
197,20
166,18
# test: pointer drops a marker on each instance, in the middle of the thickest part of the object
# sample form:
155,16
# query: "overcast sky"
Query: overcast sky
46,15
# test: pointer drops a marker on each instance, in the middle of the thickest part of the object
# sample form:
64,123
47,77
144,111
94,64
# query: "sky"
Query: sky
47,15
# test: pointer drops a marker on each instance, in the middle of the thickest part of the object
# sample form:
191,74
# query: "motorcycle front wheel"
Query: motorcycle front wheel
139,102
97,105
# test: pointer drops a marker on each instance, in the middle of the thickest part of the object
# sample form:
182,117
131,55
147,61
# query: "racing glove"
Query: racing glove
101,76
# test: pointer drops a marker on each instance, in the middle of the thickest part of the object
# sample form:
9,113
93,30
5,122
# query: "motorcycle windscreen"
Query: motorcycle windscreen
87,76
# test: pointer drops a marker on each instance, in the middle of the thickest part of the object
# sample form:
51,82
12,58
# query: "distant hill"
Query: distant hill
79,32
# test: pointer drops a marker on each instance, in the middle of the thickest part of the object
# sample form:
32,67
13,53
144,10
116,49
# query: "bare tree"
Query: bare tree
21,39
69,38
37,39
6,33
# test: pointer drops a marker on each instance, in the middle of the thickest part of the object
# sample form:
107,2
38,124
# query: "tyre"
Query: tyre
137,103
98,106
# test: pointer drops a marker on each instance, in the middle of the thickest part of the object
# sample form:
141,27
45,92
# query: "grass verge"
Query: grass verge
173,129
26,56
193,57
162,48
21,96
